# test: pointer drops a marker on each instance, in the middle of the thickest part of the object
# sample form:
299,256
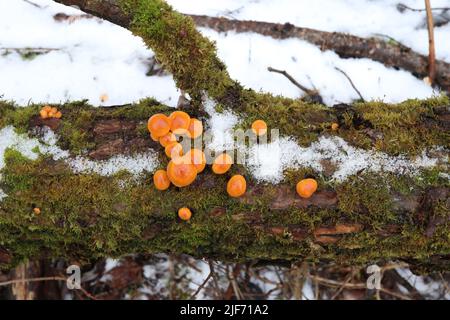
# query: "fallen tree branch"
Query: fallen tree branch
87,215
351,83
313,94
431,50
345,45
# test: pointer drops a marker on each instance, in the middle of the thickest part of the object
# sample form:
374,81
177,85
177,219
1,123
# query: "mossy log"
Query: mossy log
367,218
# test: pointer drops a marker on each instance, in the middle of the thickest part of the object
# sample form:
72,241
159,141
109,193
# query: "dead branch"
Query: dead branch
431,49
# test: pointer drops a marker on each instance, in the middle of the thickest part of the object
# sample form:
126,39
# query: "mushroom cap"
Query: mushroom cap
179,122
259,127
181,173
156,139
58,115
184,214
161,180
222,163
197,158
174,149
166,139
306,187
195,129
43,114
236,186
334,126
158,125
47,108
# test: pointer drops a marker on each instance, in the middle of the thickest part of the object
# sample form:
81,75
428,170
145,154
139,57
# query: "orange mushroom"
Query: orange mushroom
158,125
37,211
236,186
195,129
43,114
156,139
166,139
222,163
334,126
161,180
58,115
174,149
197,158
179,122
184,214
306,187
259,127
181,173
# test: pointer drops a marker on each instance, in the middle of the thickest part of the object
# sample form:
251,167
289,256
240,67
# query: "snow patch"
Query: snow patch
31,147
268,161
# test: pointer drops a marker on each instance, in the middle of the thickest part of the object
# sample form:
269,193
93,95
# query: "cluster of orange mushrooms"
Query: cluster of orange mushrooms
50,112
183,167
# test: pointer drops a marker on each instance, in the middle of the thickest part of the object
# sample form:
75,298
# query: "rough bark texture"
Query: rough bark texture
367,218
345,45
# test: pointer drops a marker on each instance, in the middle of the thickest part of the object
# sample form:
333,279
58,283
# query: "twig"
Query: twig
55,278
402,7
200,287
351,83
291,79
33,4
431,49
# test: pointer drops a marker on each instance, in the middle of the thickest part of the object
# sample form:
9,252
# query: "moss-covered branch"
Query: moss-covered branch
367,218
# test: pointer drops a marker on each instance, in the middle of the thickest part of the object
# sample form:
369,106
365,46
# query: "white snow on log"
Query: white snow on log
220,125
30,148
268,161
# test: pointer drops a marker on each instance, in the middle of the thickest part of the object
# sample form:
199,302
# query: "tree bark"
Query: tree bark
83,216
370,217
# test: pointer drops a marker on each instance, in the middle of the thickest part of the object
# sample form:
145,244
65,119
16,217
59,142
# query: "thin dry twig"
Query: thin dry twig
38,279
402,6
291,79
351,83
431,49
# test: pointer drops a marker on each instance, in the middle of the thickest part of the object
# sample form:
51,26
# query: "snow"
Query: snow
358,17
430,288
96,58
268,161
93,58
31,148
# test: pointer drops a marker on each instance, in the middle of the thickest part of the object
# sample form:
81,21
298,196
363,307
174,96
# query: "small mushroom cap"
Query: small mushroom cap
181,173
161,180
179,122
166,139
222,163
156,139
58,115
236,186
334,126
184,214
37,211
259,127
47,108
195,129
306,187
197,158
43,114
174,149
158,125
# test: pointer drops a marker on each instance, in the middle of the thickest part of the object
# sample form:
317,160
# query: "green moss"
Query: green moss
85,217
189,56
